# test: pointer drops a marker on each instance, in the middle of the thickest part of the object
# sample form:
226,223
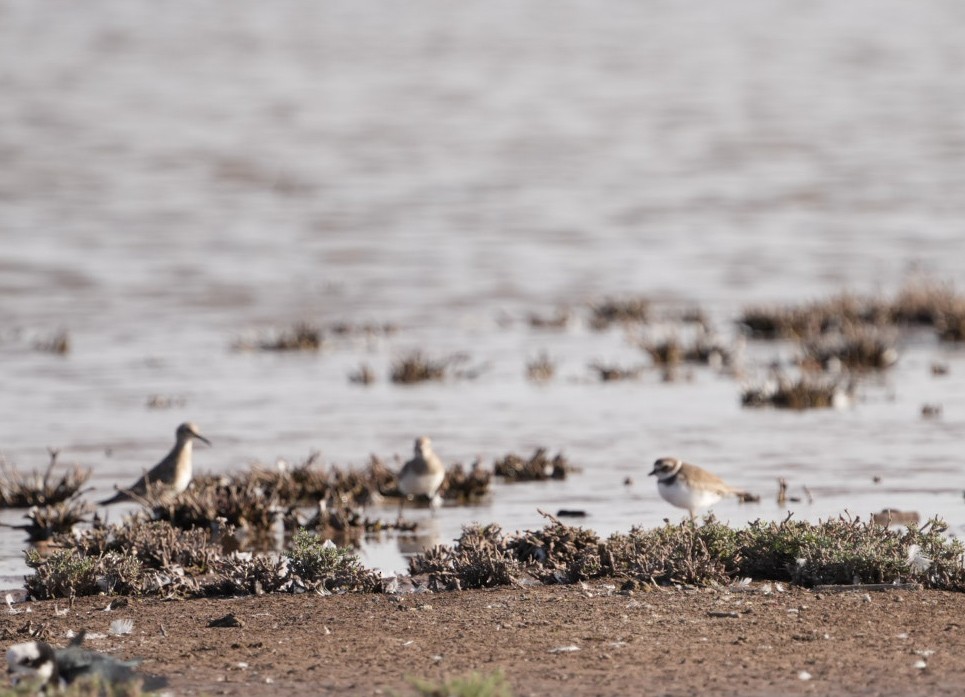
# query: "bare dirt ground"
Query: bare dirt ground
657,642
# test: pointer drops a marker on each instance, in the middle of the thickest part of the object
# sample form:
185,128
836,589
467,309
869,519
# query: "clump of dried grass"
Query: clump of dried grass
558,320
538,467
364,375
634,310
302,336
541,369
466,487
611,373
58,343
860,348
55,519
18,490
807,392
557,553
416,367
478,560
920,303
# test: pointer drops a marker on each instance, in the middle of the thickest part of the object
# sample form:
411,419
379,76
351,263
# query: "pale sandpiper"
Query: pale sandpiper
172,474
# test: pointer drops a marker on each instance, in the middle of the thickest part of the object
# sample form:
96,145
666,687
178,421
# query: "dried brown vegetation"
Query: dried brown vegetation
417,367
364,375
58,343
608,312
538,467
466,487
807,392
19,490
860,348
262,501
920,303
559,320
302,336
611,373
54,519
541,369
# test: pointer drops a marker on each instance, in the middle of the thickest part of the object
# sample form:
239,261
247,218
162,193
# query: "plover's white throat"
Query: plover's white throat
172,474
688,486
422,475
48,667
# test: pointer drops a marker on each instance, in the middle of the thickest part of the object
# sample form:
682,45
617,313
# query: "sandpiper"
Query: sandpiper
689,486
422,475
172,474
39,662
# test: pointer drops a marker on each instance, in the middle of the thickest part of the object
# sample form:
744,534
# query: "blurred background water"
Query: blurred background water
176,177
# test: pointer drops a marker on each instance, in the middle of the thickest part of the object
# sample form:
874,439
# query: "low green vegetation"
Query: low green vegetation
472,685
836,551
87,687
154,558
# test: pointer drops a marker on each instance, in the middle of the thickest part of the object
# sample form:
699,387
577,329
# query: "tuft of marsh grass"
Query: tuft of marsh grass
57,343
364,375
604,314
478,560
302,336
920,303
559,320
860,348
807,392
541,369
538,467
416,367
466,487
472,685
610,373
55,519
18,490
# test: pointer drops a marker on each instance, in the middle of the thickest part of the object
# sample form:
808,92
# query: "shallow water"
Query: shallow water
176,180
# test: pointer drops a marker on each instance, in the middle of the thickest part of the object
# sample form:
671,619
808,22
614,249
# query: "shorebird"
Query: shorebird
689,486
48,667
422,475
172,474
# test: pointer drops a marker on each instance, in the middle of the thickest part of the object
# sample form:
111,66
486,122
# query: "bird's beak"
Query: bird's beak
653,472
200,437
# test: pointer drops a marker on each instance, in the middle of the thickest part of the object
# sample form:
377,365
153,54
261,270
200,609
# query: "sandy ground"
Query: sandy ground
549,640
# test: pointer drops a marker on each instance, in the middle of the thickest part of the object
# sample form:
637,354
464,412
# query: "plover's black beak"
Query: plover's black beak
200,437
653,472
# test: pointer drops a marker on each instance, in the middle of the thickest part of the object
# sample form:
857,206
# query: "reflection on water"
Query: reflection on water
427,536
175,182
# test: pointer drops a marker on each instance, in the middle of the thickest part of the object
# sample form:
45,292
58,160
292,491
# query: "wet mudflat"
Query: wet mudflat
578,640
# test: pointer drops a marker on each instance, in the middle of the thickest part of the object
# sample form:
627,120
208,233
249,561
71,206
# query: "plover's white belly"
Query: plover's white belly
682,496
420,484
